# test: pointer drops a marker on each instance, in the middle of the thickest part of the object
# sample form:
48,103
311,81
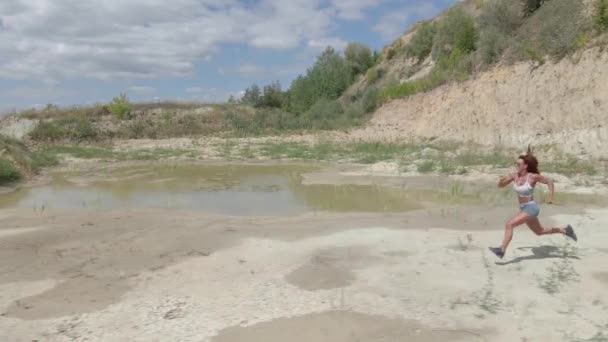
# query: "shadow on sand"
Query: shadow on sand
540,252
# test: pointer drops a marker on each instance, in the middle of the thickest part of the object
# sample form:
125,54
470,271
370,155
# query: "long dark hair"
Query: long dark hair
531,161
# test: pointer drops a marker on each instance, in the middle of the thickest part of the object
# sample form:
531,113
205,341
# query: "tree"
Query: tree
327,79
358,58
252,95
273,96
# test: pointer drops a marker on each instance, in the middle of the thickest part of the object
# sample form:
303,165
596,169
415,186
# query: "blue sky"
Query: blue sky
75,52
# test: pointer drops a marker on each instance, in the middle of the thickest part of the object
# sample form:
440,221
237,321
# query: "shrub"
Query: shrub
373,75
554,30
422,42
601,15
426,166
390,53
121,107
358,57
498,21
42,159
71,128
369,100
81,129
47,131
327,79
492,43
8,172
504,15
354,112
456,31
324,114
535,56
141,128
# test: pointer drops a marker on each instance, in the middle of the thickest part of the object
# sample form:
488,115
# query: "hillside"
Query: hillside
551,92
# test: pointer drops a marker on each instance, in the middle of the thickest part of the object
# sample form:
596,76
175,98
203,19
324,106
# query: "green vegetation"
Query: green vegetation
570,166
456,32
426,166
553,30
16,160
505,30
601,15
421,44
121,107
8,172
498,23
373,75
358,58
77,129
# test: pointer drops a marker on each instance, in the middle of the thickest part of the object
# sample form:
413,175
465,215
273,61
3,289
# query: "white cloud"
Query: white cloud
141,90
138,39
320,44
392,25
353,9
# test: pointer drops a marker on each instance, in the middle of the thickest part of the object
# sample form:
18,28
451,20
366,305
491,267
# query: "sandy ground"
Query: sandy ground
155,275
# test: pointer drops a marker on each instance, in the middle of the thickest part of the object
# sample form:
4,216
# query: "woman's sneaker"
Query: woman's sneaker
570,233
498,251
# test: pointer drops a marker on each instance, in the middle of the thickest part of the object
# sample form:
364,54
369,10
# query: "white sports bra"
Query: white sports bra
525,190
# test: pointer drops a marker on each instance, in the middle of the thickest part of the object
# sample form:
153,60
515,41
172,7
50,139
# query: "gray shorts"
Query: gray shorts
531,208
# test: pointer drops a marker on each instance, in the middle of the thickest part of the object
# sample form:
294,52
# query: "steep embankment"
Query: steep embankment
565,104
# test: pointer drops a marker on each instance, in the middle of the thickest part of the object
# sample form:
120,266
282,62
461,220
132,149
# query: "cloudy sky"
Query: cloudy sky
70,52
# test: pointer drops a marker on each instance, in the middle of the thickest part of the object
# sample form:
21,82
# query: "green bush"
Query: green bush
369,100
373,75
354,112
456,66
140,128
47,131
504,15
422,42
358,57
457,31
492,43
327,79
71,128
8,172
601,15
81,129
325,114
265,120
121,107
41,159
498,21
426,166
554,29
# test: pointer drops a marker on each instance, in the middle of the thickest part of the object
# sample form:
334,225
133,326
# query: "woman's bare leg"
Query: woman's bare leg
517,220
538,229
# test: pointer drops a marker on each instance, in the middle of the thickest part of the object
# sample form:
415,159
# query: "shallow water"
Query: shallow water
242,190
225,189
